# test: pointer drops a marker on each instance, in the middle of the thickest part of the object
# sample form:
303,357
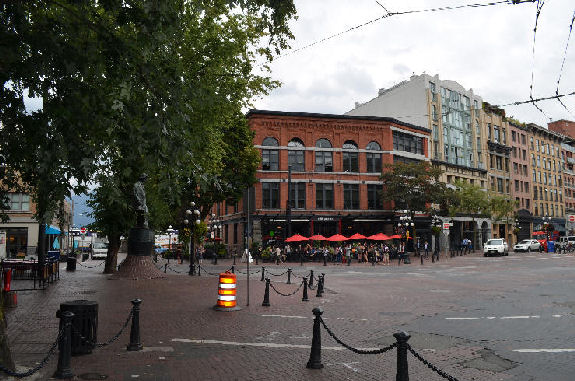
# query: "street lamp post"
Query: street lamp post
170,231
546,223
196,213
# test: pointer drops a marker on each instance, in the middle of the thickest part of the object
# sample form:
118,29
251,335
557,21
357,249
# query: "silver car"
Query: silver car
527,245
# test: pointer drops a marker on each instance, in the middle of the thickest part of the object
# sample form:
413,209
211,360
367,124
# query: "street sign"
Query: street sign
83,230
446,225
571,217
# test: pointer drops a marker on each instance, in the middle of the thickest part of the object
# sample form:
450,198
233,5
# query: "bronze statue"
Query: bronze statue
140,202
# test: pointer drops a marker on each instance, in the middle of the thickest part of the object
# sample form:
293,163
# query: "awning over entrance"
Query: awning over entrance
52,230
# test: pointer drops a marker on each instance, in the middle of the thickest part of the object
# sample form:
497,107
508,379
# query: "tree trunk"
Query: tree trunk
112,256
5,353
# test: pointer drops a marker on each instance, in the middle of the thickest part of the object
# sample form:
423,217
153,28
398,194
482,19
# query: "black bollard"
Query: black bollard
325,260
165,268
300,259
310,278
289,276
322,283
192,271
266,302
234,260
304,297
216,259
65,346
314,361
421,256
199,270
348,261
257,256
319,291
233,269
263,273
135,344
402,369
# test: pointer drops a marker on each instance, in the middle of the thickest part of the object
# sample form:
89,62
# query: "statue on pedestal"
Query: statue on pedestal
140,202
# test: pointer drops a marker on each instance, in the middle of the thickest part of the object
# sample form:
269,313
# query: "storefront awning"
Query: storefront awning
52,230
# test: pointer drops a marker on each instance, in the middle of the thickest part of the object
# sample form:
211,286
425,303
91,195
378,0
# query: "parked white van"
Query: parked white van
99,250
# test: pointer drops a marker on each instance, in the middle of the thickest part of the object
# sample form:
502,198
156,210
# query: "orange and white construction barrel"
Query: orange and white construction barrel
227,293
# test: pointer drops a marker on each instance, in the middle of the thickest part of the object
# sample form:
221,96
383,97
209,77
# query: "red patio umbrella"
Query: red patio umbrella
296,238
317,237
337,238
395,236
357,236
378,237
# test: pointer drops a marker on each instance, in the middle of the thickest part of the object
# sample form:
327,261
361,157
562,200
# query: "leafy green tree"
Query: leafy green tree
471,200
414,187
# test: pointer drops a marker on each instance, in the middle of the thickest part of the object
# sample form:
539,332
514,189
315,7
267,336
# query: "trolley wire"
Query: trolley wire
563,64
540,4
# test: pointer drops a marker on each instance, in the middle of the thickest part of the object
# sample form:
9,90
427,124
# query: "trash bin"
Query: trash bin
551,246
71,263
85,257
84,325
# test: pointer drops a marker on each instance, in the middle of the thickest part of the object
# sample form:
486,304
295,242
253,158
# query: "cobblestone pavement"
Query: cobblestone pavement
184,338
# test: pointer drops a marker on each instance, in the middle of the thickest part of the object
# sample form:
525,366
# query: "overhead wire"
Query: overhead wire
389,14
563,64
540,4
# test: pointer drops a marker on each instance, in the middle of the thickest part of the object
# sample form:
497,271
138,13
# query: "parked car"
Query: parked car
495,246
527,245
99,250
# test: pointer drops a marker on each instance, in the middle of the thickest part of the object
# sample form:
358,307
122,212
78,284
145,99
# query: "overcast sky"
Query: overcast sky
487,49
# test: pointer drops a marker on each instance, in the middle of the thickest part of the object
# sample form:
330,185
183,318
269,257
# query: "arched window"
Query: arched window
270,157
373,158
323,158
350,156
296,155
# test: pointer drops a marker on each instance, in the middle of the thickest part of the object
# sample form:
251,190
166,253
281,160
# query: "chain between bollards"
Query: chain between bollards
135,343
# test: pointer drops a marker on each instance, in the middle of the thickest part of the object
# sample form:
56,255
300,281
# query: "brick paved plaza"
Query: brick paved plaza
475,318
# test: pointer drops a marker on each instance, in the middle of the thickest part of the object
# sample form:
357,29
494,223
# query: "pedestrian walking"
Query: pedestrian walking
426,248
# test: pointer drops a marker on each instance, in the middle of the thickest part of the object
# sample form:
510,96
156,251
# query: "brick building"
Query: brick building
521,179
336,163
564,127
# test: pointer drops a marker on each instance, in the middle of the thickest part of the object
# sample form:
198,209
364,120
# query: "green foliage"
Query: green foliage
199,232
413,187
469,199
501,207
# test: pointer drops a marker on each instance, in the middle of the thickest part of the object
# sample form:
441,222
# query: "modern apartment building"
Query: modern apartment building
547,177
336,162
450,111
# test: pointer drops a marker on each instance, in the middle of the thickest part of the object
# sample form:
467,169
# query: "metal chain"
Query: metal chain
207,272
176,271
293,293
245,272
40,365
114,338
91,267
355,350
285,272
430,365
312,287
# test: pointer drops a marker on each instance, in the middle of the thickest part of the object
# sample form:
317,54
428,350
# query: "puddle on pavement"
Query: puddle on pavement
488,360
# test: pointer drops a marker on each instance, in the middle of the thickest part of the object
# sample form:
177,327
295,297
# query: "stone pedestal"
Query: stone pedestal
141,242
139,263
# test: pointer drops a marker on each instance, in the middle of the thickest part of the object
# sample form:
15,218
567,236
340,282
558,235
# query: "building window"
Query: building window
270,195
351,196
235,233
19,202
373,159
407,143
500,185
298,195
350,157
434,112
324,196
296,157
527,203
323,159
270,157
513,136
374,201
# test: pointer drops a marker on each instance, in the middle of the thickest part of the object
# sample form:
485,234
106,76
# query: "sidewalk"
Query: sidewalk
256,343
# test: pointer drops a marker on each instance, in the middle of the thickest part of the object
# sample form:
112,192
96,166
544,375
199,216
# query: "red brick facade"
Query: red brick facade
338,130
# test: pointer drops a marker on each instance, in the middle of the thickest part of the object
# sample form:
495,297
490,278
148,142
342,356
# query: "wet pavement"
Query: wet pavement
476,318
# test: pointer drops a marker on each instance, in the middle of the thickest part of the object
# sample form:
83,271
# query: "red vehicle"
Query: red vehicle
541,237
